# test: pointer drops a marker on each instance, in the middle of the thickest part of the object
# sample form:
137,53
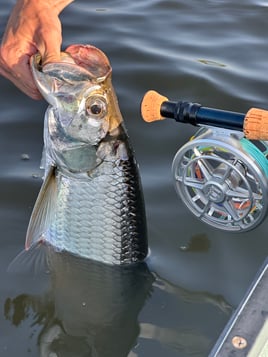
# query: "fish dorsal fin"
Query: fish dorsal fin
43,211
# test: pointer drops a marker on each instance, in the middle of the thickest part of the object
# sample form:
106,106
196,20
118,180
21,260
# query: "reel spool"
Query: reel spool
222,178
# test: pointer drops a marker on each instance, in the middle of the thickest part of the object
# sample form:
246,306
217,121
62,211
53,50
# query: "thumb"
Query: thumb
50,47
51,54
51,57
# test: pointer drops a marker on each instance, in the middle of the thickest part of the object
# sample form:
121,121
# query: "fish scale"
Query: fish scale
98,218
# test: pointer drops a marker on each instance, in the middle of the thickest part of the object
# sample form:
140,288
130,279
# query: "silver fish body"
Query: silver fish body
100,214
91,201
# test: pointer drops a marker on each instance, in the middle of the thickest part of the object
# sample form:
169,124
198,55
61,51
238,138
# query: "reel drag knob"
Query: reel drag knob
223,181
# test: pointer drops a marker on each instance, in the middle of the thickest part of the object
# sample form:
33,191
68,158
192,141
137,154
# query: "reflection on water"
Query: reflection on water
84,308
88,308
197,243
213,52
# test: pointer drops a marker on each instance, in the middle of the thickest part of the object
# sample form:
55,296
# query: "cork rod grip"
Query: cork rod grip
151,106
256,124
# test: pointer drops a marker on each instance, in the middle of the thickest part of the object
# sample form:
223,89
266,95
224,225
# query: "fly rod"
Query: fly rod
254,123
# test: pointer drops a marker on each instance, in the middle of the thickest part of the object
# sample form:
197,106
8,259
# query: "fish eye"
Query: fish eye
96,107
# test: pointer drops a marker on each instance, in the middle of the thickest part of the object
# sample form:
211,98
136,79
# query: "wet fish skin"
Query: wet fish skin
91,201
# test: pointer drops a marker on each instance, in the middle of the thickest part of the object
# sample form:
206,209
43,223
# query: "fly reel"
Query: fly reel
222,178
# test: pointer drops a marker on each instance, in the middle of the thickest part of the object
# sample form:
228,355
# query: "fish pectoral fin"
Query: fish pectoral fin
33,261
44,209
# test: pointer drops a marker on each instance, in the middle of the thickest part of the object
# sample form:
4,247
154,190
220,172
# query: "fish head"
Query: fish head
80,92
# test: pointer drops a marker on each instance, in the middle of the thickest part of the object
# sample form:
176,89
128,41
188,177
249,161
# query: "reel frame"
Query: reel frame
221,180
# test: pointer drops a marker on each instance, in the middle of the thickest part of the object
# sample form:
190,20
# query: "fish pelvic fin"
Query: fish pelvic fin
43,211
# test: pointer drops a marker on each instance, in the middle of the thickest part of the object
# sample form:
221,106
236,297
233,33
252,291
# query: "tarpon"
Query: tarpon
91,202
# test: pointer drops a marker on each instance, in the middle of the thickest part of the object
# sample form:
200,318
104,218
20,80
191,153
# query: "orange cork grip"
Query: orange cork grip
151,106
256,124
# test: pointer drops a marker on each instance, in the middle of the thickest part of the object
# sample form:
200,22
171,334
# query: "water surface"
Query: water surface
213,52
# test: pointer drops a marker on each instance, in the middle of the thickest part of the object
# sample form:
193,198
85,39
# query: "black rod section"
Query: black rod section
195,114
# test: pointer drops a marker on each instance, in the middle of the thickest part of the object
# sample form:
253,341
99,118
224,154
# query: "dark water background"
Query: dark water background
213,52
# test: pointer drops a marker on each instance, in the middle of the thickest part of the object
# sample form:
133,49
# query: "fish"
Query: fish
91,201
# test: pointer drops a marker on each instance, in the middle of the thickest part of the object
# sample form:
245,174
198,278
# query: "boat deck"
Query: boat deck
246,334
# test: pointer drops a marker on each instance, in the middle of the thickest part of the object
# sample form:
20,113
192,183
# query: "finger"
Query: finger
51,53
20,75
50,46
24,78
24,87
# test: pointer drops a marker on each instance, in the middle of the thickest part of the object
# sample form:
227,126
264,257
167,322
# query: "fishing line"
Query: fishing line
256,154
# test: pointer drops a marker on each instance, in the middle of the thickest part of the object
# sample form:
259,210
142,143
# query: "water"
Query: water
213,52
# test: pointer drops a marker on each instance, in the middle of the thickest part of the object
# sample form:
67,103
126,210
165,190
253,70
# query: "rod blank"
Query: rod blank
254,123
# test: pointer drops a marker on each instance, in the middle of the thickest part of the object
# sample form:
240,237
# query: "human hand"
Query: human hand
33,26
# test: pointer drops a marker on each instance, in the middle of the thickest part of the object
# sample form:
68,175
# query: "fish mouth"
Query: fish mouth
91,61
83,72
78,64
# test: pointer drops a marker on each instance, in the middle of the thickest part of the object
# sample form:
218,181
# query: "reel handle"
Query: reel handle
254,123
